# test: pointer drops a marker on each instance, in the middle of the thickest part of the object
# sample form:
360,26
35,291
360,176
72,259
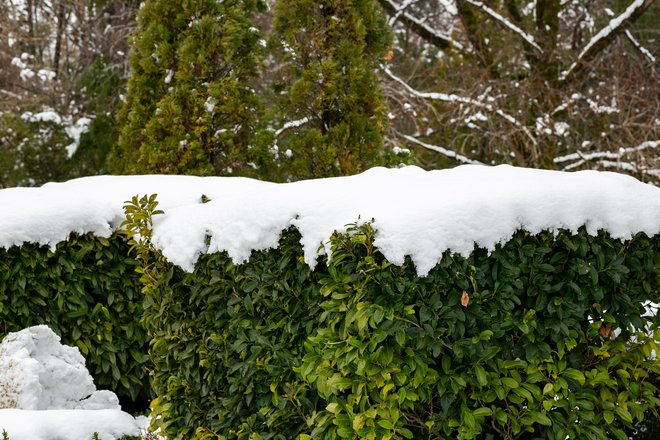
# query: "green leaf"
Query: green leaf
542,419
574,374
386,424
548,389
482,378
482,412
510,383
608,416
623,414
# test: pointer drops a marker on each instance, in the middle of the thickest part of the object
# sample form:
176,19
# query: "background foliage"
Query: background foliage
297,91
190,106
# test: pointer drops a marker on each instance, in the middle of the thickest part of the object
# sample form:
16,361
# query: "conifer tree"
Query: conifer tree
332,102
190,107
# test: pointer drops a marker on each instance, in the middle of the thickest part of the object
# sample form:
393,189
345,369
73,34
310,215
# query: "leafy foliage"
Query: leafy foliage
86,290
516,344
32,152
190,107
138,229
332,49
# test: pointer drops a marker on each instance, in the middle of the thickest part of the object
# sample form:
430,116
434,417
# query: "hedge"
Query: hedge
544,338
88,292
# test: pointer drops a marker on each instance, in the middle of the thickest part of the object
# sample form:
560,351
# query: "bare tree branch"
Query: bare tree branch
506,24
445,152
644,51
416,25
615,155
604,37
451,98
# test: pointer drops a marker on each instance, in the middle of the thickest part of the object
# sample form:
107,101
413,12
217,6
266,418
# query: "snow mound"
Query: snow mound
39,373
416,212
109,424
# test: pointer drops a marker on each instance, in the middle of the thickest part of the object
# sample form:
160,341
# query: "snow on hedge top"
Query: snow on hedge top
416,212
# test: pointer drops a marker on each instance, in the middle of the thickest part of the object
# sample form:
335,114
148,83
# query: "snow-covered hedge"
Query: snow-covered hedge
402,303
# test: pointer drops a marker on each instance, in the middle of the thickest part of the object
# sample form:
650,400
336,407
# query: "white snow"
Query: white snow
44,116
441,150
209,104
607,154
416,213
39,373
110,424
291,124
74,131
46,74
46,393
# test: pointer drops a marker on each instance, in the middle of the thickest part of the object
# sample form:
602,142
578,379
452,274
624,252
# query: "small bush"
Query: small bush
88,292
538,339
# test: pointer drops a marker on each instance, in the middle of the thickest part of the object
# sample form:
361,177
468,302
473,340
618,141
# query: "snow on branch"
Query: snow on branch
605,36
451,98
644,51
445,152
450,6
506,23
291,124
639,47
400,11
628,166
614,155
419,27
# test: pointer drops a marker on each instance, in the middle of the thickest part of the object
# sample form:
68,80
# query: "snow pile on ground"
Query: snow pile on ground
37,373
109,424
416,212
47,393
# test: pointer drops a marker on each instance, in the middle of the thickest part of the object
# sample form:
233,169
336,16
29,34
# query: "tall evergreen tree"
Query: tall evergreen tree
190,107
331,97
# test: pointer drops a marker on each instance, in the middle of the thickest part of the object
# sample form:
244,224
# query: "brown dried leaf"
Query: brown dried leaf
465,299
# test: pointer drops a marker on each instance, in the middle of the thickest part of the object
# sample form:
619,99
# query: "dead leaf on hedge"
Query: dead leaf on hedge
465,299
607,331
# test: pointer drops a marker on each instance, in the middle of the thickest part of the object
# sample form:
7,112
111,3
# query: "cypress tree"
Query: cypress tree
190,107
332,49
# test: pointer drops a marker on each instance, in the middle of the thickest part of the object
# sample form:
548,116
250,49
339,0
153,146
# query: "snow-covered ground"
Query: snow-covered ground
69,424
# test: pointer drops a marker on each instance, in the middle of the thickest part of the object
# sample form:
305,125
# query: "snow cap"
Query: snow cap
416,212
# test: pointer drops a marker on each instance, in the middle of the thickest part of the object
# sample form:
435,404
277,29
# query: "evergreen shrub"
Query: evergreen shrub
88,292
546,337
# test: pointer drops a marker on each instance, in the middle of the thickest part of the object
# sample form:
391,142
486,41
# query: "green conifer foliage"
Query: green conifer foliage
332,48
190,107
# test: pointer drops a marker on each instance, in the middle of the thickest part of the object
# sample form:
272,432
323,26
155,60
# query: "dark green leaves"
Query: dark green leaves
361,348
